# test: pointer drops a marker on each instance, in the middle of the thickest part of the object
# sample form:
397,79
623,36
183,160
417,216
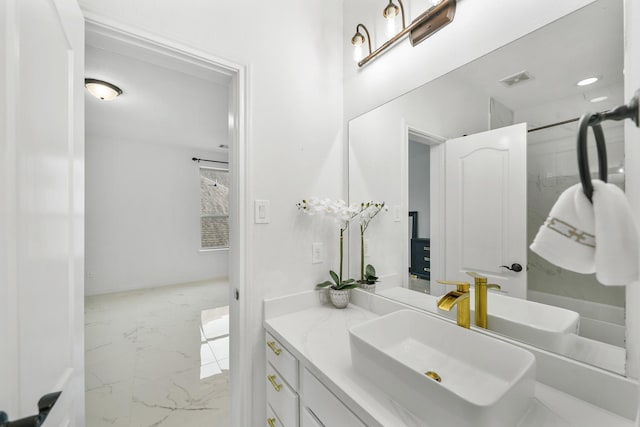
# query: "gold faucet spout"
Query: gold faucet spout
459,297
448,301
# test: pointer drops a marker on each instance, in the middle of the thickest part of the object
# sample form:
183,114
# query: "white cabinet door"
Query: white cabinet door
42,208
319,405
485,203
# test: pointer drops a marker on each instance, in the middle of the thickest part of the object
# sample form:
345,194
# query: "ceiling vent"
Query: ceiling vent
514,79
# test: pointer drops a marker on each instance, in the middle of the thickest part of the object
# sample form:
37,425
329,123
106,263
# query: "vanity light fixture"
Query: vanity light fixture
587,82
390,13
428,23
102,90
358,40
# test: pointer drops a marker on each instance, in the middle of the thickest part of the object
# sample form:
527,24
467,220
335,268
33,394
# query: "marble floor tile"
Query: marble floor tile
151,357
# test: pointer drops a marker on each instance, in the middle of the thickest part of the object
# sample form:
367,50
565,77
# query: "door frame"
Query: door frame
239,249
436,197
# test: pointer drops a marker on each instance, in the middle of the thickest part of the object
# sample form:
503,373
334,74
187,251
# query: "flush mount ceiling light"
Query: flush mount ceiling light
598,99
425,25
587,82
102,90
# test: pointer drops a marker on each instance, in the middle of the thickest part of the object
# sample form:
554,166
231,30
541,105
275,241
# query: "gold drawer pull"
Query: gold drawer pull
272,380
426,248
272,346
427,258
271,422
427,269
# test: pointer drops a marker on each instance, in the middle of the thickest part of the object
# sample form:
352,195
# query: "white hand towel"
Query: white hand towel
601,237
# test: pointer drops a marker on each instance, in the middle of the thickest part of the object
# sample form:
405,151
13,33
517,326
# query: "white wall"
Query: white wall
143,216
295,140
632,156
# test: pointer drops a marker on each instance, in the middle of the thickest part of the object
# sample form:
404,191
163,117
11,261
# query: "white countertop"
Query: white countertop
318,335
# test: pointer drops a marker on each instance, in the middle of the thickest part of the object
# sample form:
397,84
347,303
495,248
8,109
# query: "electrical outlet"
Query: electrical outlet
317,253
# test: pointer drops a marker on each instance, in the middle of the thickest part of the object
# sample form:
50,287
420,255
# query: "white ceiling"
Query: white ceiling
165,100
588,42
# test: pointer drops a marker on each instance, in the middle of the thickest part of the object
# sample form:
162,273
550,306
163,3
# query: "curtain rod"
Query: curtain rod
195,159
564,122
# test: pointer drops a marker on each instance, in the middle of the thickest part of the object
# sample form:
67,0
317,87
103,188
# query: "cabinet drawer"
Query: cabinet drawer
282,360
309,419
327,408
282,399
272,419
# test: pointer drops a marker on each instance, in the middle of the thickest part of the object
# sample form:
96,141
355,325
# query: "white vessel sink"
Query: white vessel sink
484,382
542,325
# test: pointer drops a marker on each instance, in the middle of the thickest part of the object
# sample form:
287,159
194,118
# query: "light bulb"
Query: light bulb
357,52
391,26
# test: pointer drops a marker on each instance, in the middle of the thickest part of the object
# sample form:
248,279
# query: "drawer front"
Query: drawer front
327,408
282,360
272,419
282,399
309,419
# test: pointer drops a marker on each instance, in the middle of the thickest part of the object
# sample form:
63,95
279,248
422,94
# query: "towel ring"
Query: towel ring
628,111
583,158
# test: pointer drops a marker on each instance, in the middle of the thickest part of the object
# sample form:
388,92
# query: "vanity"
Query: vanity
311,380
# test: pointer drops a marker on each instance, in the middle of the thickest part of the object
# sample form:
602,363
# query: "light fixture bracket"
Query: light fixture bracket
432,20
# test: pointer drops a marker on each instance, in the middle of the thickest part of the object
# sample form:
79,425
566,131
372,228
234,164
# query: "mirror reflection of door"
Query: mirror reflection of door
486,201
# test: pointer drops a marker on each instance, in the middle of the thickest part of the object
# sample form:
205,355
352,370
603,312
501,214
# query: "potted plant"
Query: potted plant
368,283
342,214
338,289
368,211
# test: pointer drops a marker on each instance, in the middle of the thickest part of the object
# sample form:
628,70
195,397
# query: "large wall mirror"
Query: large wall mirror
469,166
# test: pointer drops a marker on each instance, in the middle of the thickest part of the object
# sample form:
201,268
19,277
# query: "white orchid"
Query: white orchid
342,214
368,211
337,209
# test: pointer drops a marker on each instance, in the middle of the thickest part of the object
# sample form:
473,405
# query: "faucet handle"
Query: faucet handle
462,286
493,286
475,275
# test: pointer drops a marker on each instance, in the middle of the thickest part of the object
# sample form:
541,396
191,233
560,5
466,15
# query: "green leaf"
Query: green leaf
335,277
348,286
324,284
349,281
370,271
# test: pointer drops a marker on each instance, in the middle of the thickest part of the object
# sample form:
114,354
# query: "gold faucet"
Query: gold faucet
480,283
458,297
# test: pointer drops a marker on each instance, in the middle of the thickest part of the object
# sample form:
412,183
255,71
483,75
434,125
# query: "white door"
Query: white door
485,203
42,208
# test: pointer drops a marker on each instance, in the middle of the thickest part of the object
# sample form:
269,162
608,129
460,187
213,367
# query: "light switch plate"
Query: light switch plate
397,210
262,212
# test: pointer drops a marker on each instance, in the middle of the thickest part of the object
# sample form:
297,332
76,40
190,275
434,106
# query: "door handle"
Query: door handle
45,404
514,267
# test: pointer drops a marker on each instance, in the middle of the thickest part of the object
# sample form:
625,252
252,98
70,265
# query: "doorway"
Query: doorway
160,233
